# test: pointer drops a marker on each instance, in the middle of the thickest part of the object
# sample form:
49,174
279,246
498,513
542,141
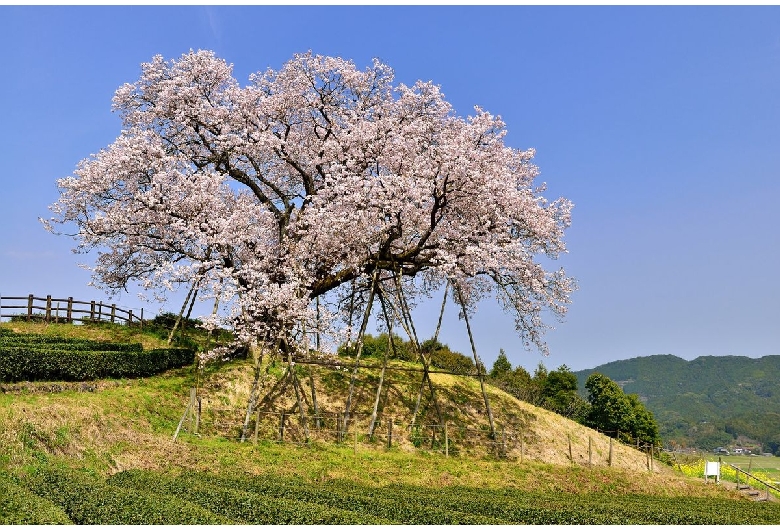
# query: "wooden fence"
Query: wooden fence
66,310
449,439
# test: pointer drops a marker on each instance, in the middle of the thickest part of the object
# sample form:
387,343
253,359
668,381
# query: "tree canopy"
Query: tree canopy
613,411
316,179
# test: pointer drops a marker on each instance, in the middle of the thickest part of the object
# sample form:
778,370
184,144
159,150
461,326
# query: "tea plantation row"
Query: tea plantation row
56,495
31,357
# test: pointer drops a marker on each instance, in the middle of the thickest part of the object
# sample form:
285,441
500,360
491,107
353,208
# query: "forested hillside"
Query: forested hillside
707,402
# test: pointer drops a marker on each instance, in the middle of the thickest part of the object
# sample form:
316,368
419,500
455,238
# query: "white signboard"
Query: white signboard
712,469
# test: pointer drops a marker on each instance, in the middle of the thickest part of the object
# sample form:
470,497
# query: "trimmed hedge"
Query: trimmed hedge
562,508
22,363
89,500
47,342
21,506
403,509
243,506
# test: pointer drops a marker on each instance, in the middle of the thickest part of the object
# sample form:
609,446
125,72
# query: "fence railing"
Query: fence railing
739,470
67,310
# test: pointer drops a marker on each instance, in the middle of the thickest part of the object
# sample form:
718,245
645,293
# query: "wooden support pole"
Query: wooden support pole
609,460
193,401
70,309
29,307
446,439
571,457
48,307
181,421
91,310
113,313
590,451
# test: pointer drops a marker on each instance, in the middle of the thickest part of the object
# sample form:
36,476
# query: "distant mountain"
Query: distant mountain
707,402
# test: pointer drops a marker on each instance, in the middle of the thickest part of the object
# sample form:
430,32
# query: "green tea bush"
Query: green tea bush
32,340
561,508
404,510
242,506
18,505
90,500
60,363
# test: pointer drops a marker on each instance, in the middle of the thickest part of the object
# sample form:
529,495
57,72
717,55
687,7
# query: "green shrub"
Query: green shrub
361,499
246,507
89,500
60,363
21,506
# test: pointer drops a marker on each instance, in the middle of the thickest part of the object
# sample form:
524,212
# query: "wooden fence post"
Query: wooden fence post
590,451
609,460
113,313
522,446
70,309
446,439
390,433
257,424
100,310
29,307
92,310
130,316
48,307
197,417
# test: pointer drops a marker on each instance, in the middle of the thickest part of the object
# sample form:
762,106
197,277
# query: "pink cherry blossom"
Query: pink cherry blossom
301,184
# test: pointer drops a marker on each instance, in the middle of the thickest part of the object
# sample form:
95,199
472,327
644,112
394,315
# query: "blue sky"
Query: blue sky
661,124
